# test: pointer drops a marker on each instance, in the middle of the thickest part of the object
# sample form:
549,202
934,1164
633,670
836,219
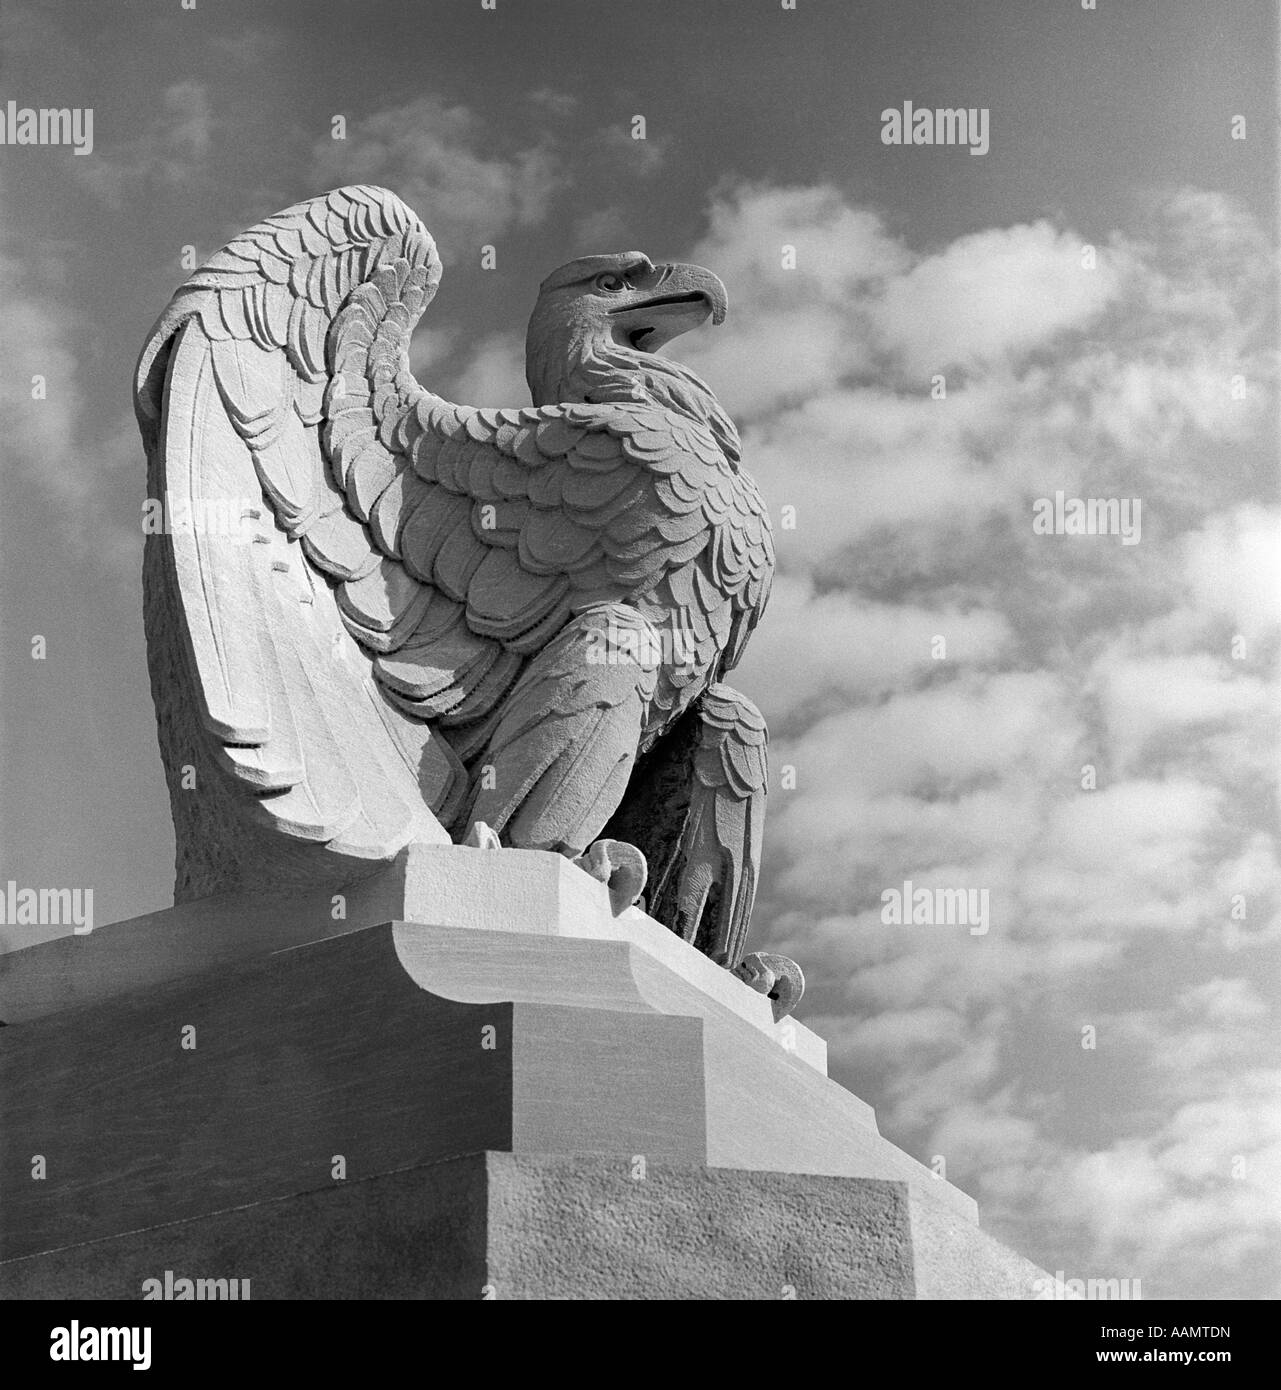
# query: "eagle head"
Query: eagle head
603,314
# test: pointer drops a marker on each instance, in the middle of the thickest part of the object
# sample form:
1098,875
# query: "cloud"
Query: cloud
438,158
39,387
995,294
1136,829
825,647
1108,382
494,375
840,250
796,263
1201,1194
1147,702
63,454
642,159
1232,567
909,517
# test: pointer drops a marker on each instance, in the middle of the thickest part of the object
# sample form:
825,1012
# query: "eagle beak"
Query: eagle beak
681,279
678,298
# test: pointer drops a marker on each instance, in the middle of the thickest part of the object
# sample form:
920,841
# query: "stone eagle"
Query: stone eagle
432,619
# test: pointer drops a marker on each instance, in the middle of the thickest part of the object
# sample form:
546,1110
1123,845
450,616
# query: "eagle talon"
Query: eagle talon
621,867
480,836
779,978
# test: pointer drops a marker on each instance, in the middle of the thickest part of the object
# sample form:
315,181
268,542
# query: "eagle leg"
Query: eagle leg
696,809
559,759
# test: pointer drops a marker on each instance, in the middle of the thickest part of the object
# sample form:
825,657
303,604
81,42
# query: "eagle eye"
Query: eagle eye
611,283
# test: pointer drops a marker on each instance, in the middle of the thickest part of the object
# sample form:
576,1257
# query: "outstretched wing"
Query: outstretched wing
449,543
230,398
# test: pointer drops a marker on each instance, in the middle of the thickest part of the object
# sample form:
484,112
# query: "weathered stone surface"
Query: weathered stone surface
533,1226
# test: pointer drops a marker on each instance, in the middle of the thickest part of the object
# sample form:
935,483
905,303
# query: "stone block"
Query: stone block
206,1089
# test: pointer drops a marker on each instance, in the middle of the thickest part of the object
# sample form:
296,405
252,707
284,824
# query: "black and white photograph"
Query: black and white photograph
641,651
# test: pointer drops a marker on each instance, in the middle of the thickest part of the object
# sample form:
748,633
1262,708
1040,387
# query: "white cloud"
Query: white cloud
1125,826
1199,1195
1233,569
88,470
494,374
840,250
791,332
913,519
997,293
816,646
436,158
632,158
1146,700
39,388
944,737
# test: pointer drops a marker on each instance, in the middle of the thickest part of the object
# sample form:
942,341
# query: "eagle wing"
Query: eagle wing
410,555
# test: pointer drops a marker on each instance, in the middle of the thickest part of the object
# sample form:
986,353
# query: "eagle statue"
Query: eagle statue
429,622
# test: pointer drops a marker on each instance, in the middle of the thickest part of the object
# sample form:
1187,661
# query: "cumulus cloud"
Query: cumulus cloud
819,648
79,463
1232,567
995,294
1096,748
1153,705
1198,1194
639,158
39,387
796,263
493,374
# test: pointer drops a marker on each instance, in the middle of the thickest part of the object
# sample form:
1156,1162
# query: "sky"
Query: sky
922,344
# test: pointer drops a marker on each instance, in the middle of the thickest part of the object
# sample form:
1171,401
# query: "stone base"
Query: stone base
529,1226
559,1103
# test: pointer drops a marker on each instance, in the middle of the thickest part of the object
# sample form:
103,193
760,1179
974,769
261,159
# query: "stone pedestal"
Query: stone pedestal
466,1078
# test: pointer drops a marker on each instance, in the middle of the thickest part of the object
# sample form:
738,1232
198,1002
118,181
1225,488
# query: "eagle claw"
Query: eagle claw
621,867
481,836
779,978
